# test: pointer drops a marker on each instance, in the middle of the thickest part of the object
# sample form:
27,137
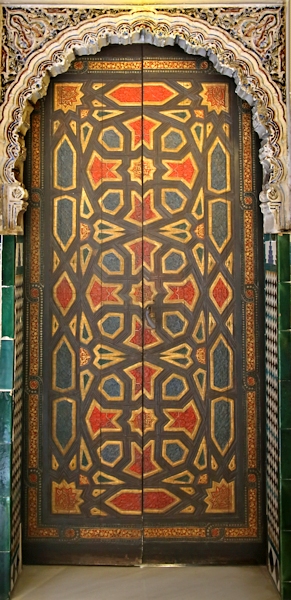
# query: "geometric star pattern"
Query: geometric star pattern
142,296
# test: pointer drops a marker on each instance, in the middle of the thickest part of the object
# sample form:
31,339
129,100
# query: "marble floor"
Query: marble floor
144,583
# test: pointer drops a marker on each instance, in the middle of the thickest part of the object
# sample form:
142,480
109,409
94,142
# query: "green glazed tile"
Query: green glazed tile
285,354
285,506
8,258
8,311
4,575
4,524
6,364
286,455
286,590
285,400
5,417
285,555
284,257
5,470
284,305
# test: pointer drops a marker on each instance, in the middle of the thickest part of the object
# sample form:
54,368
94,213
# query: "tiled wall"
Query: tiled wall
11,356
6,410
272,407
284,347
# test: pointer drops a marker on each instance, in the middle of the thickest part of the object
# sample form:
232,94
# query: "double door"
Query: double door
148,375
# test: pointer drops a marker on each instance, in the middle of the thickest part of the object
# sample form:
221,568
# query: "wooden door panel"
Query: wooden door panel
143,436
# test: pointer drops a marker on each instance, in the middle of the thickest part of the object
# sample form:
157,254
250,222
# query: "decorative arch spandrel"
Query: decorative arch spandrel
45,41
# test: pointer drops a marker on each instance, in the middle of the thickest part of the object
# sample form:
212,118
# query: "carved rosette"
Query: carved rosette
47,40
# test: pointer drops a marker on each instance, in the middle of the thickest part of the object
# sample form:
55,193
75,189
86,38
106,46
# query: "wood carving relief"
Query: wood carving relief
244,43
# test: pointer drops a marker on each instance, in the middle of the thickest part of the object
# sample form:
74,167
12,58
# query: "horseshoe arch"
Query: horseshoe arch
229,55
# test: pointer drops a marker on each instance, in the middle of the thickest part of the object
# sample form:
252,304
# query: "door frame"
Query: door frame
29,79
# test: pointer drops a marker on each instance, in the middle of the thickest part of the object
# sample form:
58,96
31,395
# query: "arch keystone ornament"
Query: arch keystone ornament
53,40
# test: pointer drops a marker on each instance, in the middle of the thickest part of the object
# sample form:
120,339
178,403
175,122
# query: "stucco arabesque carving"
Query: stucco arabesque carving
243,43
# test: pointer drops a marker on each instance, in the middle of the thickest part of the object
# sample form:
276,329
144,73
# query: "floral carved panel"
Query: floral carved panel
244,43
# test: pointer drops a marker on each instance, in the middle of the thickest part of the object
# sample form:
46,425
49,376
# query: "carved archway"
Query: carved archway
44,54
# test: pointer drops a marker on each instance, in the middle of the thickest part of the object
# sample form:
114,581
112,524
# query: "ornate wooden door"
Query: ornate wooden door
143,375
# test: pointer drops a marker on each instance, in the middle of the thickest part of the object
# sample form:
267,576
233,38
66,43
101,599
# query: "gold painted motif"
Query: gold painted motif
211,263
199,255
185,419
229,323
176,479
180,356
179,395
86,334
232,463
105,356
55,464
112,335
229,263
220,497
211,223
85,257
64,449
55,325
63,341
73,126
99,420
214,464
200,460
179,231
56,261
73,463
102,478
197,131
176,268
178,314
166,140
198,208
184,170
97,512
209,129
142,169
102,115
84,457
215,96
142,420
74,262
104,197
117,397
86,378
73,170
66,498
171,461
230,402
86,130
118,445
217,142
67,96
86,208
179,115
57,221
200,379
199,333
116,141
218,340
211,323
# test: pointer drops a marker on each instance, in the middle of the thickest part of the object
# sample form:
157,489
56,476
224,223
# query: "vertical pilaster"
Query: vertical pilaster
284,347
272,406
6,409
